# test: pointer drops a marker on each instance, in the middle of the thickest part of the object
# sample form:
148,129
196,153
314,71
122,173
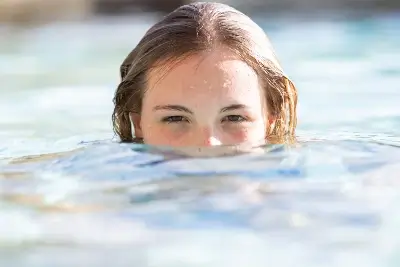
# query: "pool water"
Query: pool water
334,200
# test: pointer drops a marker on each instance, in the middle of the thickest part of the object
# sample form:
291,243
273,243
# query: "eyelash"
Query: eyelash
241,118
174,119
179,119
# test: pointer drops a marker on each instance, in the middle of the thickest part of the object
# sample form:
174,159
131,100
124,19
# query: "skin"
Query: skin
207,99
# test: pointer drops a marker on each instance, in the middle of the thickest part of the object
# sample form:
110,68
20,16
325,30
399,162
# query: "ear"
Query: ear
136,124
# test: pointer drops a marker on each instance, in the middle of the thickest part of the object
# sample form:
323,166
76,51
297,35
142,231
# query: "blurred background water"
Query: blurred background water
333,201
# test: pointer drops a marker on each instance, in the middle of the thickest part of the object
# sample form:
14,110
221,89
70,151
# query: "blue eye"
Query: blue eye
174,119
234,118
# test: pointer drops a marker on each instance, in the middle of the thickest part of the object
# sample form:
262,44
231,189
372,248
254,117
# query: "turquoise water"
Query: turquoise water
332,201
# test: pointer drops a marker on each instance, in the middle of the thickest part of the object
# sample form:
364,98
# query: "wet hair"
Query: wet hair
195,28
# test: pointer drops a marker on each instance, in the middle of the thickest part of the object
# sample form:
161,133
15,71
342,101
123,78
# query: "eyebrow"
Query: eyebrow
185,109
173,107
233,107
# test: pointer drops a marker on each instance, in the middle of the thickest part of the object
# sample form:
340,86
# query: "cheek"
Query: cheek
238,134
161,134
235,132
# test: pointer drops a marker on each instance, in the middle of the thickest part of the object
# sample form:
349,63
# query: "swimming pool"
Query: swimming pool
333,201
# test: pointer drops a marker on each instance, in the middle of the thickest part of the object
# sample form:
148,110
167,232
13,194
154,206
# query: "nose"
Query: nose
212,141
207,138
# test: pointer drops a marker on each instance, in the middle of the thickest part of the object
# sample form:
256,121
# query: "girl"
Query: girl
205,75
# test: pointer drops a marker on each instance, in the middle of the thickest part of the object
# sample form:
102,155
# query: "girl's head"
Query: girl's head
206,74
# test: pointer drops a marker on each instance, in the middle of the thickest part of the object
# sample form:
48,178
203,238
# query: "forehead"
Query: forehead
218,74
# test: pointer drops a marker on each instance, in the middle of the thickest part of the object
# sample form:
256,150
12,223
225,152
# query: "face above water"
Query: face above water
204,100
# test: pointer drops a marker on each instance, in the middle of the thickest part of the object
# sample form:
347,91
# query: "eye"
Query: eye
174,119
234,118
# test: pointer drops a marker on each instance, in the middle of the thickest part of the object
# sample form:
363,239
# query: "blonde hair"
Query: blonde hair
198,27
